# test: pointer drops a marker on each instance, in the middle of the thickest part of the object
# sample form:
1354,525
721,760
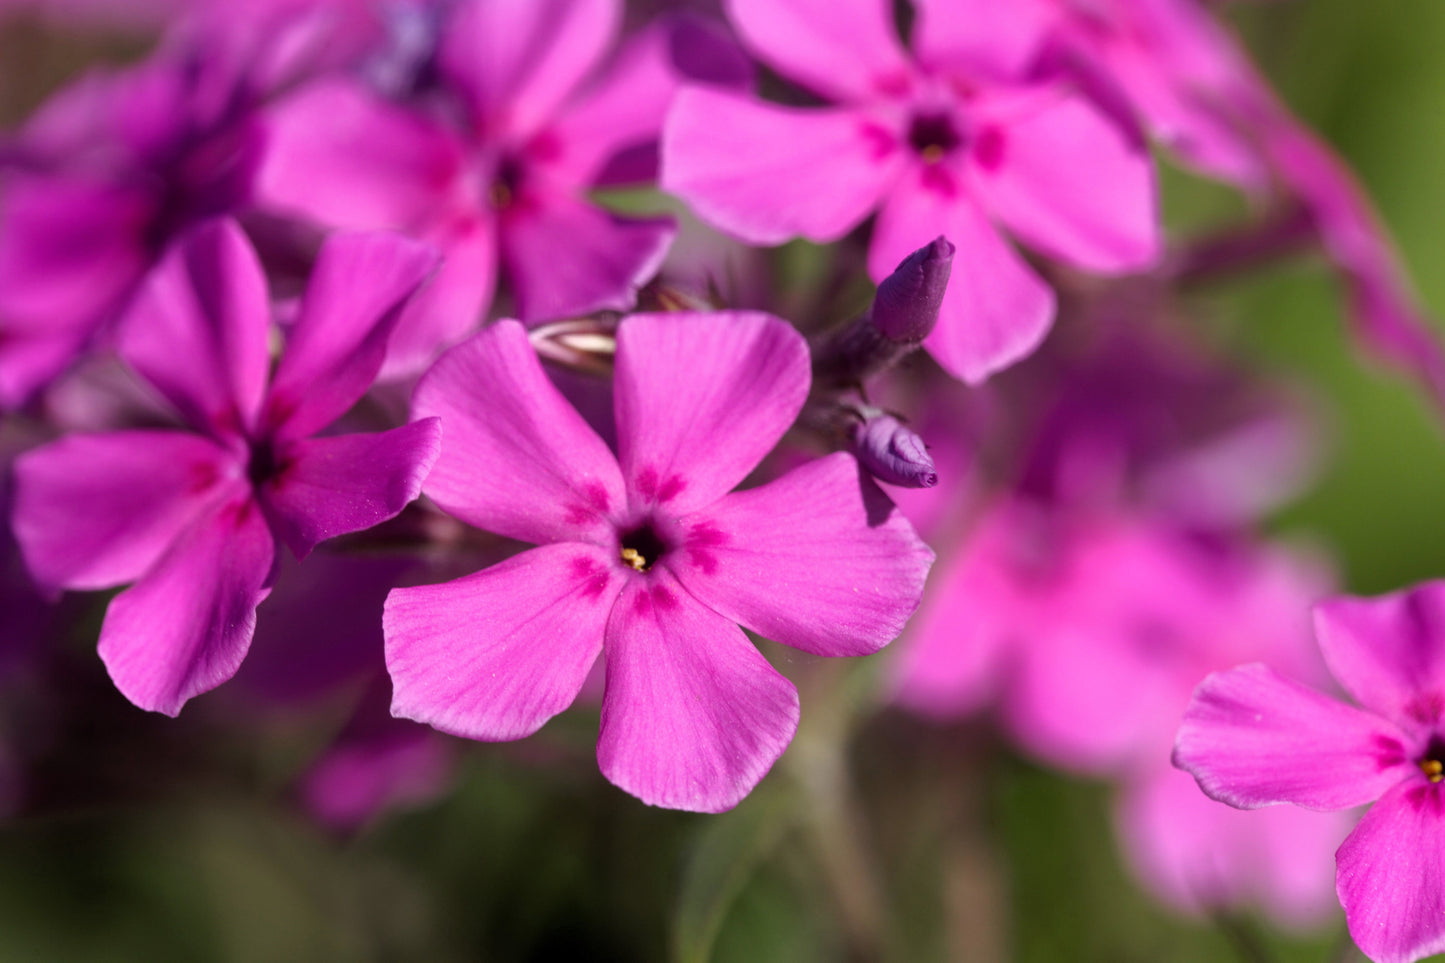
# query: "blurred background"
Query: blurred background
878,836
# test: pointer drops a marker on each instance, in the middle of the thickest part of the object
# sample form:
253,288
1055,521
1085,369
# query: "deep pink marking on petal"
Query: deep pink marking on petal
988,148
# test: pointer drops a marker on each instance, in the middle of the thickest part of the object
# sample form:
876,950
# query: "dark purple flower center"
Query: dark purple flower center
1432,763
641,547
506,183
933,136
263,464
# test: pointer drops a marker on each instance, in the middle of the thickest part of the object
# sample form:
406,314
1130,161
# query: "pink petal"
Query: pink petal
184,628
496,654
819,560
357,291
611,131
1199,856
1391,880
701,398
565,256
70,250
454,303
340,156
846,50
1253,738
767,173
346,483
518,60
93,511
198,328
1389,652
516,458
982,37
1073,184
996,309
31,358
693,716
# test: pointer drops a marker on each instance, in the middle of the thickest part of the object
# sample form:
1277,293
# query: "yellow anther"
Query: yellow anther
932,154
500,195
634,558
1434,769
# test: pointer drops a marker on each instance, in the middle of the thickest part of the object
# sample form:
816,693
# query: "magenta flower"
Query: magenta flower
644,557
945,143
1253,738
192,517
502,177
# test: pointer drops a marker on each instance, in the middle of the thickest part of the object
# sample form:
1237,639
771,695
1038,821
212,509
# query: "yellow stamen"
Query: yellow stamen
634,558
500,195
1434,769
932,154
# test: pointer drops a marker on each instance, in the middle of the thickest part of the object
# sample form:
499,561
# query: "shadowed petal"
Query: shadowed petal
700,399
1252,738
454,303
996,309
518,60
999,40
184,628
767,174
344,158
198,328
1390,878
819,560
517,458
346,483
1073,184
357,290
611,131
93,511
693,716
565,256
1389,652
496,654
844,49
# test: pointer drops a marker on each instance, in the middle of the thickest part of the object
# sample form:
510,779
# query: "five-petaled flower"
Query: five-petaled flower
1253,738
644,556
948,141
192,517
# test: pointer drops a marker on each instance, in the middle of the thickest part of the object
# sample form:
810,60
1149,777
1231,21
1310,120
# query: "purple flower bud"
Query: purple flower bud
906,306
893,453
903,313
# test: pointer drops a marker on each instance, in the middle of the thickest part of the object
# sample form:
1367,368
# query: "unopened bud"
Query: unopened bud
893,453
908,300
904,311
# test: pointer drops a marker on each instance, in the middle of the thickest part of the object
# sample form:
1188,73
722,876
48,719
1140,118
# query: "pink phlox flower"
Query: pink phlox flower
645,558
948,141
1171,64
107,173
1255,738
192,517
493,161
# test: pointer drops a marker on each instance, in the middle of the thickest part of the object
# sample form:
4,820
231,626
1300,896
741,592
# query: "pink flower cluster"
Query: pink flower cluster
362,276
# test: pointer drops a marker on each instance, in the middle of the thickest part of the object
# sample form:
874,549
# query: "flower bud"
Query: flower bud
893,453
904,311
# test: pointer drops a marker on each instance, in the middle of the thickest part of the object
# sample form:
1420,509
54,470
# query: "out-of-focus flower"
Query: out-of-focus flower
493,165
645,558
1255,738
1169,63
192,517
111,170
944,143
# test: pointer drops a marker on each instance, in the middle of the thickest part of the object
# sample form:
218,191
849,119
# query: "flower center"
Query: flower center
933,136
504,186
641,547
1431,762
263,464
